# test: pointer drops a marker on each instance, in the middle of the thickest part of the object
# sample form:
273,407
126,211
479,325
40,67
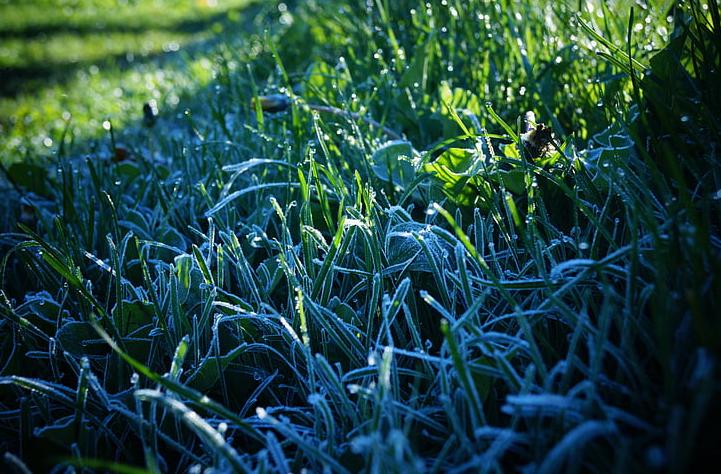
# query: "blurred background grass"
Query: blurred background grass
79,62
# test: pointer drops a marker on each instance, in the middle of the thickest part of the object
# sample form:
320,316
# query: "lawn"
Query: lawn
341,236
72,65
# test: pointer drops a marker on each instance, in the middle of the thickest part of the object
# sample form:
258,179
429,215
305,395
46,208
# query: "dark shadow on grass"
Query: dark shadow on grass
32,79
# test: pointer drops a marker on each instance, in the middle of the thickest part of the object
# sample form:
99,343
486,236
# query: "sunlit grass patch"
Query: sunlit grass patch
103,63
35,17
71,48
33,123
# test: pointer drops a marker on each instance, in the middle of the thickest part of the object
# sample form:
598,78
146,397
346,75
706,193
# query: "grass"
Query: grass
72,65
255,291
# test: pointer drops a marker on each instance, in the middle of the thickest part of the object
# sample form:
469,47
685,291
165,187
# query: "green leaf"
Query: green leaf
417,72
513,180
342,310
208,373
323,82
459,99
29,176
456,170
127,170
203,266
392,162
451,101
80,339
183,267
136,314
402,247
181,351
172,240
